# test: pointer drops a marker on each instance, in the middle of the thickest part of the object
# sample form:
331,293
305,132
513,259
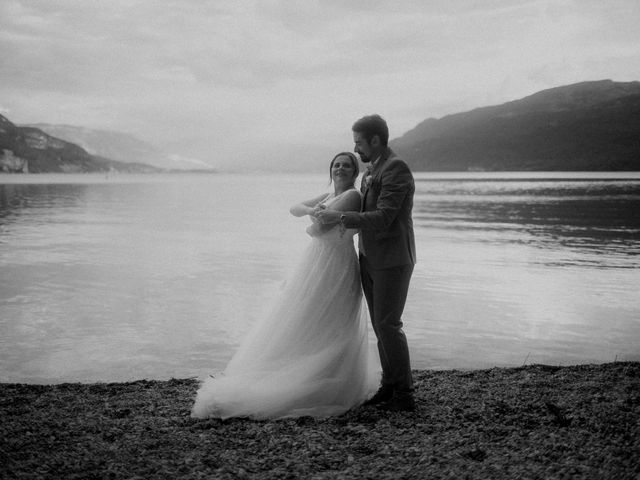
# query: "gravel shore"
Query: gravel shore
533,422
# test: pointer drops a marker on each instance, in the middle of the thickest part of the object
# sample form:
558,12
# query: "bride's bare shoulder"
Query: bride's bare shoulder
349,200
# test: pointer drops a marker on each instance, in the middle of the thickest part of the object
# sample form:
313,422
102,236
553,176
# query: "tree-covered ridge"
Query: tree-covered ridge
30,150
589,126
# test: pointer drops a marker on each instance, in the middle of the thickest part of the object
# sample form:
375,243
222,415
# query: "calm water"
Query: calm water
134,277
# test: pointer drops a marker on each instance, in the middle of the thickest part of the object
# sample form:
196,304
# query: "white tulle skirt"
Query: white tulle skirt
310,355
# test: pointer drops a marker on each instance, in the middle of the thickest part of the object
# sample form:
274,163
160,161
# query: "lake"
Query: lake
123,277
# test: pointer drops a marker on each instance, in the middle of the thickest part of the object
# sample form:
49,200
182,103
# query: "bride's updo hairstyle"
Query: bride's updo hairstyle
354,162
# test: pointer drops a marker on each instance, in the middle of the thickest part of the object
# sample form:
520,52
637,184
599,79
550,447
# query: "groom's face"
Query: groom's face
363,147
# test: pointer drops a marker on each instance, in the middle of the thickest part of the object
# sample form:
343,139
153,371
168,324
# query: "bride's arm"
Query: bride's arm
307,207
351,202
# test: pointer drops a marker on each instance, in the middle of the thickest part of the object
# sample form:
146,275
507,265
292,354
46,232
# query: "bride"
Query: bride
309,356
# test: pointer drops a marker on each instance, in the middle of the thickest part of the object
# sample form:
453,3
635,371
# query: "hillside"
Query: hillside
120,146
589,126
30,150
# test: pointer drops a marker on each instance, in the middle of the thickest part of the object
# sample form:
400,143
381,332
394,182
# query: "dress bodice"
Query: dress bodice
331,198
337,234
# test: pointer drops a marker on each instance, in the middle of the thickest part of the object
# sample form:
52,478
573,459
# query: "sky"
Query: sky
251,84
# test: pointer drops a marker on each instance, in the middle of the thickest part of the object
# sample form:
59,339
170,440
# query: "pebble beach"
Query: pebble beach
531,422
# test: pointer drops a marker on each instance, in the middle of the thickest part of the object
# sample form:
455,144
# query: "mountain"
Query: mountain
588,126
30,150
120,146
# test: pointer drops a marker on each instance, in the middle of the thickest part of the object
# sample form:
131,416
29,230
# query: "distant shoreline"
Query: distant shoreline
535,421
515,174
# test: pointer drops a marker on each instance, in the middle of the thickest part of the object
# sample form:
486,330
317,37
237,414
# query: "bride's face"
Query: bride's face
343,171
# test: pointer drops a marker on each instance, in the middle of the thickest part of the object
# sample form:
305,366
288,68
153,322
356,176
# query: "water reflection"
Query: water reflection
599,216
116,279
17,199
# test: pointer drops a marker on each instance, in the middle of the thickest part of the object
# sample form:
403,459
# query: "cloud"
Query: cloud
239,75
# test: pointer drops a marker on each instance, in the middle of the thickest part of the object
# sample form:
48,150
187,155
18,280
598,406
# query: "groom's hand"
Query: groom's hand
328,217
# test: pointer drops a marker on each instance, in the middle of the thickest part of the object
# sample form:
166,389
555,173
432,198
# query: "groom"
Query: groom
387,255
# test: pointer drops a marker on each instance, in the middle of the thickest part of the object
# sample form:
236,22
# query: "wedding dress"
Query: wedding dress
310,355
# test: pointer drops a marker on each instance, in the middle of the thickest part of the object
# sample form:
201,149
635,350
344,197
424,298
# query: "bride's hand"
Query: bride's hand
329,217
318,208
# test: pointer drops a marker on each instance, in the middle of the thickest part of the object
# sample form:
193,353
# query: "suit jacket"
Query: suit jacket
385,223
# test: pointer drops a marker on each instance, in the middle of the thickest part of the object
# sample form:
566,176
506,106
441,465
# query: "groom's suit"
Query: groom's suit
387,256
386,226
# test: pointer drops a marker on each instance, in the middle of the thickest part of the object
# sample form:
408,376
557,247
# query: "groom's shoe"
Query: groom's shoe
384,394
399,403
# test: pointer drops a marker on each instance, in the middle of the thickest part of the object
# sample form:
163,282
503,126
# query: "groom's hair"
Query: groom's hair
372,125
